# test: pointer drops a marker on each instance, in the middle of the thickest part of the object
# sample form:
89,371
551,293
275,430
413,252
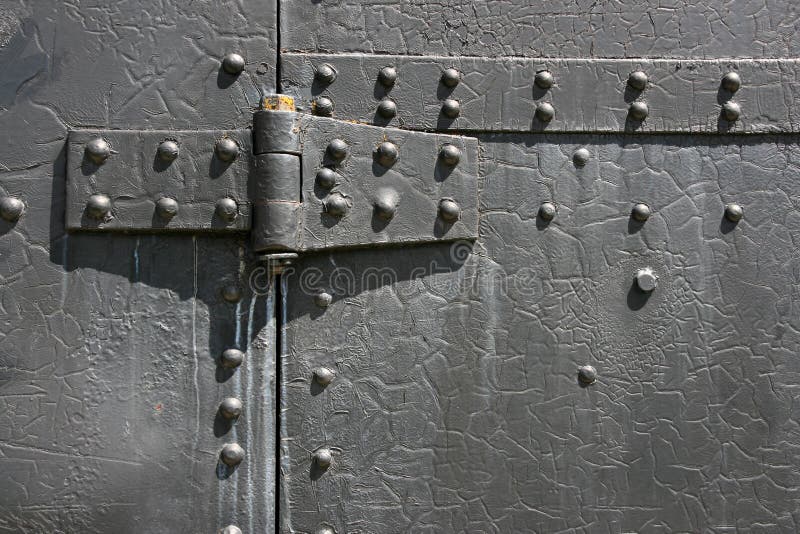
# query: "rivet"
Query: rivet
386,154
230,408
326,178
731,82
98,150
387,76
233,64
227,209
545,112
324,376
449,211
323,106
387,108
386,202
231,454
231,293
731,111
325,73
231,529
640,212
638,110
451,108
168,150
547,211
734,212
323,458
450,155
323,299
637,80
336,204
11,208
646,279
450,77
231,358
326,530
543,79
98,207
587,374
581,157
337,149
226,149
166,208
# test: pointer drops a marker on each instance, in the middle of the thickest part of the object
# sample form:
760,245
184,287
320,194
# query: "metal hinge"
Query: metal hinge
297,182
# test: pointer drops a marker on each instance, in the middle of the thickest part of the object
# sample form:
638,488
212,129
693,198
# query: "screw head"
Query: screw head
227,209
449,210
231,454
323,299
450,77
386,202
387,108
233,64
11,208
646,279
450,155
324,376
98,150
387,76
543,79
98,207
581,157
640,212
166,208
734,212
230,408
386,154
231,293
325,73
731,111
451,108
731,82
337,149
637,80
323,106
231,529
547,211
587,374
226,149
326,178
545,112
638,110
336,204
232,358
323,458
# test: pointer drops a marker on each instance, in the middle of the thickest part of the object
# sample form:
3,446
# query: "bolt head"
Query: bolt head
337,149
232,358
450,77
547,211
387,108
640,212
11,208
226,149
731,111
323,106
166,208
450,155
323,299
637,80
543,79
324,376
587,374
227,210
233,64
98,150
449,211
386,202
232,293
545,112
323,458
231,529
581,157
325,73
731,82
98,207
336,204
638,110
386,154
646,279
327,178
230,408
387,76
734,212
451,108
168,150
231,454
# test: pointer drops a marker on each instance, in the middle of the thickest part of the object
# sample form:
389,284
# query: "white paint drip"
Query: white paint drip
269,413
136,261
284,435
249,413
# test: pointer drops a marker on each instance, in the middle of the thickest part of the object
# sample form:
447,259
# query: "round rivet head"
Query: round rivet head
646,279
232,358
323,376
731,111
168,150
386,154
227,209
638,111
734,212
323,458
386,202
545,112
226,149
337,149
231,293
326,178
233,64
231,454
387,76
450,155
230,408
451,108
547,211
323,106
166,208
450,77
543,79
731,82
337,204
449,211
98,150
637,80
98,207
387,108
11,208
326,530
231,529
323,299
640,212
325,73
581,157
587,374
